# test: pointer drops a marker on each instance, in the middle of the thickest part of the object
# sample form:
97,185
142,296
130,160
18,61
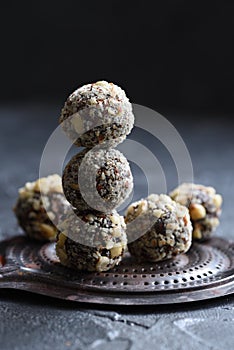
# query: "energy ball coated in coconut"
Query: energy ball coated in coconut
97,180
204,206
97,113
93,242
165,225
39,207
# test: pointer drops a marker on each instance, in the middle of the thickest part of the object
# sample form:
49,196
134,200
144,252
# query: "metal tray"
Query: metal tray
206,271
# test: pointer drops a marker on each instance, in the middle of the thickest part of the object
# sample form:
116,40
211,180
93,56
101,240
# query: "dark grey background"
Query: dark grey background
166,54
174,56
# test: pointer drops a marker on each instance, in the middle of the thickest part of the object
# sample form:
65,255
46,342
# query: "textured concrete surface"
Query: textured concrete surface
34,322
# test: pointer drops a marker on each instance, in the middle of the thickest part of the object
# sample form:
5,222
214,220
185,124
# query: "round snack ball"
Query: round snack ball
39,206
97,113
92,242
204,206
166,228
104,177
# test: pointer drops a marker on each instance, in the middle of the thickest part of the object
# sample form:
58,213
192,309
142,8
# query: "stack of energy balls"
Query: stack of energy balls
91,235
97,180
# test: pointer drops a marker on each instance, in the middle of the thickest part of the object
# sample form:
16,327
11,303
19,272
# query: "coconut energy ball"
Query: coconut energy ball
99,179
204,206
165,225
97,113
93,242
39,206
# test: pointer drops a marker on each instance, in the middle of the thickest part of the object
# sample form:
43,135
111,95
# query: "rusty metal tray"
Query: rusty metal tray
205,272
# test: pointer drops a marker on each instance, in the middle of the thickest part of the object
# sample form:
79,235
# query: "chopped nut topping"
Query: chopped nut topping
197,211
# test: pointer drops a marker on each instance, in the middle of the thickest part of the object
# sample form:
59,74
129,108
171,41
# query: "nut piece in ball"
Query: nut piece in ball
92,242
97,113
166,228
39,206
204,206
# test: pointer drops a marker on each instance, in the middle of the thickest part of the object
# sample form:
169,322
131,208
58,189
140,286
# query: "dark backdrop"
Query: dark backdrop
169,55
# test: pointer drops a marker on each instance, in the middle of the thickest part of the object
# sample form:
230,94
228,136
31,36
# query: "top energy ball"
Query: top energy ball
97,113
